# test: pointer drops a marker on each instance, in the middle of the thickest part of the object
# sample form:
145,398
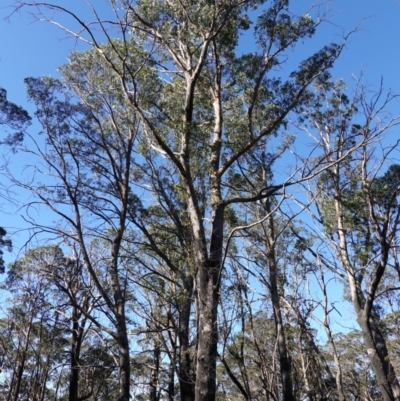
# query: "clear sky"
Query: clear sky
29,48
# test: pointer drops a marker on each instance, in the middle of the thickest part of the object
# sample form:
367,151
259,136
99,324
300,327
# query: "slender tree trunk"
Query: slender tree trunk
21,365
171,381
77,333
123,348
10,393
155,371
209,282
119,290
373,338
47,365
285,364
207,338
304,368
338,376
186,368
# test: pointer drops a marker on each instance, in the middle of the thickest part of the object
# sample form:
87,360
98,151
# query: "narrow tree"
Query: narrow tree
357,204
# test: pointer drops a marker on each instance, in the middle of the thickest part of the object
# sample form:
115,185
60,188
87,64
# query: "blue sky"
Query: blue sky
29,48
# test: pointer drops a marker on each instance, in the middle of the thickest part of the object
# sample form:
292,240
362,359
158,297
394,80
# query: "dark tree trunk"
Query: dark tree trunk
123,348
155,370
77,333
207,339
171,381
186,368
209,278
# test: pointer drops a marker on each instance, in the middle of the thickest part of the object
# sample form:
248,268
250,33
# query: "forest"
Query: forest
207,220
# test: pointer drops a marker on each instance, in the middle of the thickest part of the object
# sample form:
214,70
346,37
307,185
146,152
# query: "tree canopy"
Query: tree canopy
196,242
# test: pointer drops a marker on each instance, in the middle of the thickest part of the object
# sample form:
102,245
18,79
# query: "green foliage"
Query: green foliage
385,189
13,117
160,142
4,243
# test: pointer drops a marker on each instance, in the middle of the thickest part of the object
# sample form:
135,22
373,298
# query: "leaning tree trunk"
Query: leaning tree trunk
373,339
378,355
21,363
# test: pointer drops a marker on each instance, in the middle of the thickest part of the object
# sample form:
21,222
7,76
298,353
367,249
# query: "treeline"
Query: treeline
200,208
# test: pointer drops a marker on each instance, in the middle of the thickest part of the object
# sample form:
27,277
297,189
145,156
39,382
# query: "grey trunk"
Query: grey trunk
208,293
378,355
285,364
123,347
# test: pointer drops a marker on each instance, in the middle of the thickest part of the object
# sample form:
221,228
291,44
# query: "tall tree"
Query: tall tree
90,160
357,204
169,78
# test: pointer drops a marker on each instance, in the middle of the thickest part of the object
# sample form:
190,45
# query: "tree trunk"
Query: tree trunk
209,283
285,364
304,368
21,365
338,376
171,381
186,368
378,355
155,371
205,389
373,338
123,348
77,333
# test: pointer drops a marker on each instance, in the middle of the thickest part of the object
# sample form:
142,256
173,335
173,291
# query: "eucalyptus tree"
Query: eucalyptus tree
267,254
271,254
35,342
57,333
169,78
12,117
15,119
357,204
66,275
165,271
88,157
359,381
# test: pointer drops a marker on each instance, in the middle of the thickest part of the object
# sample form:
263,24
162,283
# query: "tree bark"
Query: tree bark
378,354
77,333
209,282
155,371
123,348
186,368
171,381
285,365
205,389
21,363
